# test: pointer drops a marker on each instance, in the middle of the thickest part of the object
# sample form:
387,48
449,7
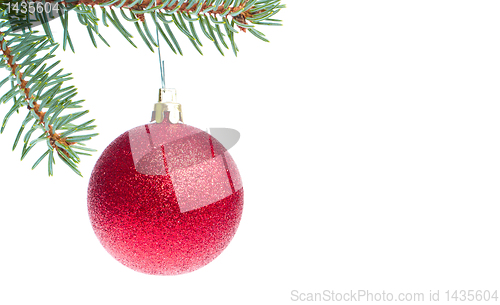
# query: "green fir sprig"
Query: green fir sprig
41,88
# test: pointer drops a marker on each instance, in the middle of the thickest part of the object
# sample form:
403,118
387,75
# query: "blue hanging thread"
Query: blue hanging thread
162,63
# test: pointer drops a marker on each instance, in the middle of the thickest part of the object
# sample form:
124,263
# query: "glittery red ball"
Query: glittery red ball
165,198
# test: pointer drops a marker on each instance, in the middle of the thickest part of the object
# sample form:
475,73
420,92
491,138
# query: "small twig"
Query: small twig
54,137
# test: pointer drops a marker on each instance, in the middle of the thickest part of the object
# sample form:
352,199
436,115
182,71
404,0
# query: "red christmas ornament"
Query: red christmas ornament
165,198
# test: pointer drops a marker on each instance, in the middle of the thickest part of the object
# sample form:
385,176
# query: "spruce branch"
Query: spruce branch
186,15
41,91
12,66
44,93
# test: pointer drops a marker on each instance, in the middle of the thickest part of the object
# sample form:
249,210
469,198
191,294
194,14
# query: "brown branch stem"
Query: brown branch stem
183,9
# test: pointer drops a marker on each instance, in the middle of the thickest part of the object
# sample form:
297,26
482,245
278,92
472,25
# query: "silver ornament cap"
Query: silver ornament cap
167,107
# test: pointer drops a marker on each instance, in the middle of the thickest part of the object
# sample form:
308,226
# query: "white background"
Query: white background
369,152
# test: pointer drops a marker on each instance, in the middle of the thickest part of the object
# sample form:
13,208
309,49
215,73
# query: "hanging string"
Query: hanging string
162,63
